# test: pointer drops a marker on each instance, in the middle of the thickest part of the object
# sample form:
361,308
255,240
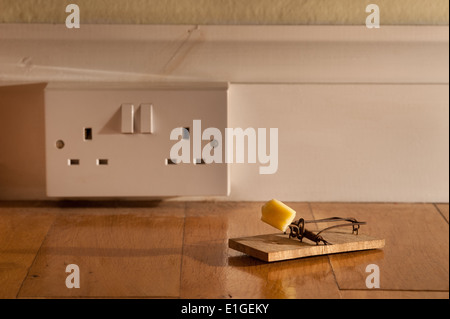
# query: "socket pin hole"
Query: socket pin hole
73,162
88,134
170,162
186,133
199,161
214,143
60,144
102,162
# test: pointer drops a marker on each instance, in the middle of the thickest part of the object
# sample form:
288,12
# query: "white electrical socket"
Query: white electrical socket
115,142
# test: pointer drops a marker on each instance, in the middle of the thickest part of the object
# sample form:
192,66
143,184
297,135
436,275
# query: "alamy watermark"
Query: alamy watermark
221,149
73,19
373,279
73,279
373,19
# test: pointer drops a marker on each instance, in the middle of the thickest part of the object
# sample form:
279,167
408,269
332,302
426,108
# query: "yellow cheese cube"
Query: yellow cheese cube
277,214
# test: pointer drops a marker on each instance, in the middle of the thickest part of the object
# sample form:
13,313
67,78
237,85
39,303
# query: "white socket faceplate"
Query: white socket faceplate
113,142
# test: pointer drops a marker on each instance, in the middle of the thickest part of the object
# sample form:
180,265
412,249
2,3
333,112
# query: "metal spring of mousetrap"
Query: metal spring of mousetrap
298,230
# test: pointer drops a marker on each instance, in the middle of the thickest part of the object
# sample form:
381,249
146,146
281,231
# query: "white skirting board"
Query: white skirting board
237,54
362,113
353,142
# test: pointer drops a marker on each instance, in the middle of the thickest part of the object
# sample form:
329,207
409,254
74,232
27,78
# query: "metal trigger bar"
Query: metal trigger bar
298,230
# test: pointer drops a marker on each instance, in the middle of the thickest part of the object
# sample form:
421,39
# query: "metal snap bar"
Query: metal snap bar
298,230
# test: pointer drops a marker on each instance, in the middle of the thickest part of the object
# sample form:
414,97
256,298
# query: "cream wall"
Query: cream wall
317,12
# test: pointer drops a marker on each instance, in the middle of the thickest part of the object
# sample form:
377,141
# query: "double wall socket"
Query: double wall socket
115,142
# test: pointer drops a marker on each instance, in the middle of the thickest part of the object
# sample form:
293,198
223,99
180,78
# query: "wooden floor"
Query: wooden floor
180,250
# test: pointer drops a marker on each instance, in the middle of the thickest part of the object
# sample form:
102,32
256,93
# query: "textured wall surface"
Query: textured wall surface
350,12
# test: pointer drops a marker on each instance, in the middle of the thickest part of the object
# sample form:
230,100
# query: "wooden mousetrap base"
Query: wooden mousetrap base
276,247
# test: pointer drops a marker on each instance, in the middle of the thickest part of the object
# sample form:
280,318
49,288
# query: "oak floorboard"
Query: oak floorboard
22,231
443,209
416,254
120,251
180,249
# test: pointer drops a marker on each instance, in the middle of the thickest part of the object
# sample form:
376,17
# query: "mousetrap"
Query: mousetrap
301,242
